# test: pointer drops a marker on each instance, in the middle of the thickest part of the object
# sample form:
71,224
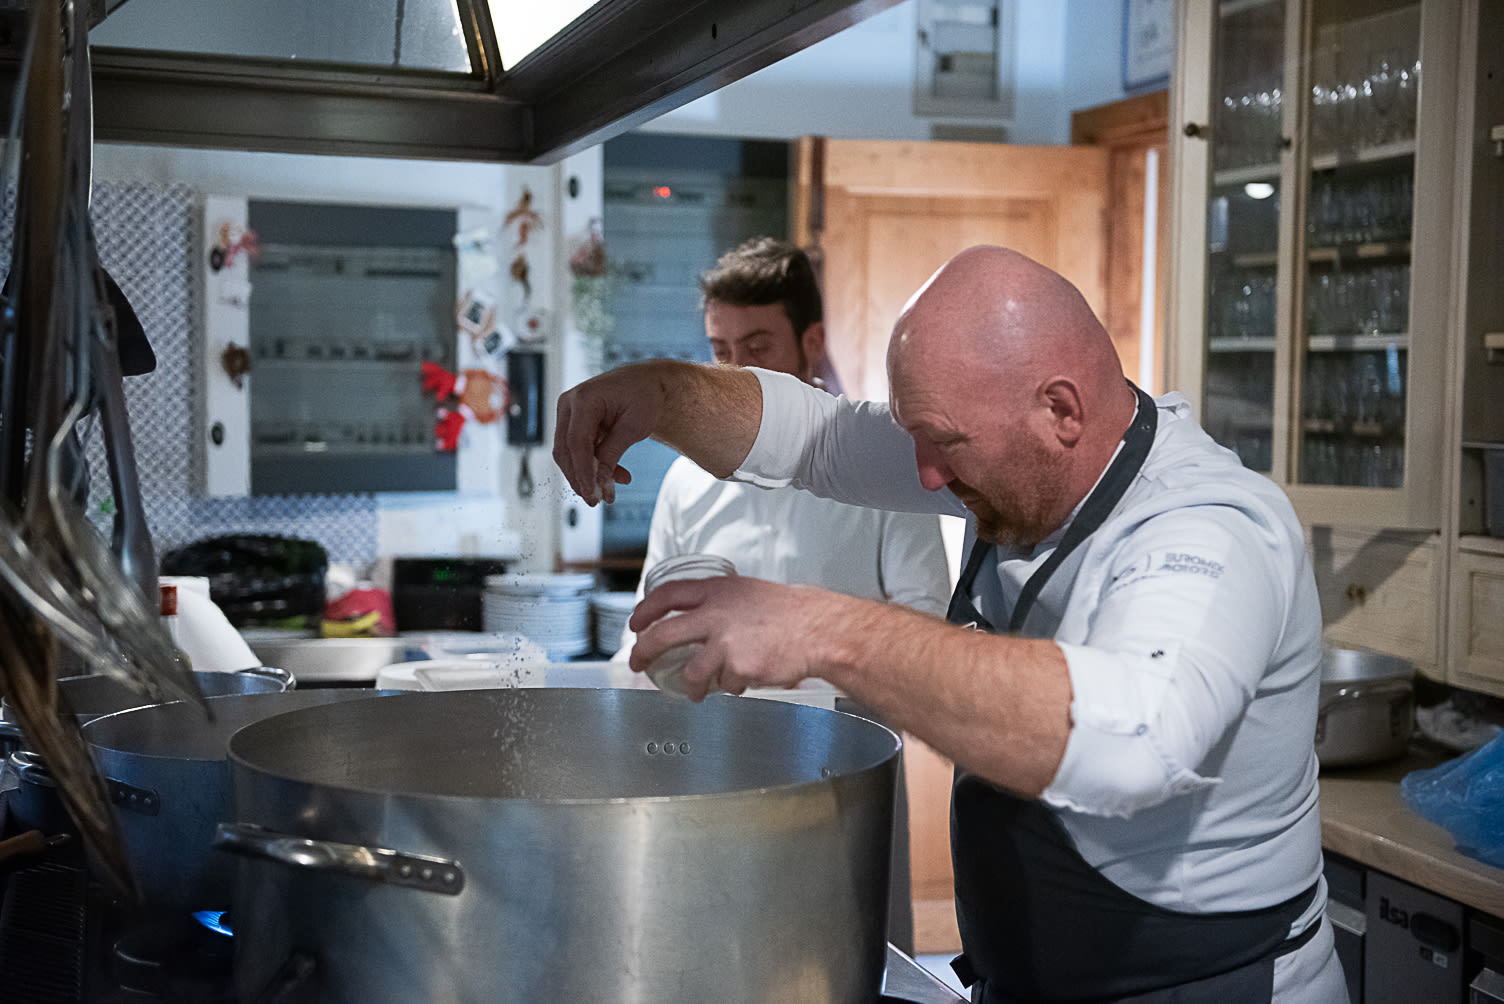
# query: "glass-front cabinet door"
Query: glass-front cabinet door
1314,224
1242,229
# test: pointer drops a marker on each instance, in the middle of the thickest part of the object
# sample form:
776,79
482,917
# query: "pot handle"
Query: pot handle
374,864
31,769
1392,688
282,676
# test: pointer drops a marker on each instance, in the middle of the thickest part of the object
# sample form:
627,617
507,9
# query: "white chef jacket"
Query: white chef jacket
789,536
1192,635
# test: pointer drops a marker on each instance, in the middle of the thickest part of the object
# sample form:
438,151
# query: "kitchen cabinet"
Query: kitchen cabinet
1337,315
1476,581
317,321
1314,246
1378,590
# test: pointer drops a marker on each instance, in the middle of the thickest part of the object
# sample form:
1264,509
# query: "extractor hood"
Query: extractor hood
416,78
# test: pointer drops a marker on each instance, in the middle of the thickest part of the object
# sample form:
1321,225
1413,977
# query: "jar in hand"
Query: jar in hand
667,671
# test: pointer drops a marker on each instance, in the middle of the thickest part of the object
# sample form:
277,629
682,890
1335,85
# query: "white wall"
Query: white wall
858,84
423,523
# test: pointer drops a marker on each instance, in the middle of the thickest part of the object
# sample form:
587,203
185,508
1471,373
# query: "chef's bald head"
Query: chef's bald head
1010,315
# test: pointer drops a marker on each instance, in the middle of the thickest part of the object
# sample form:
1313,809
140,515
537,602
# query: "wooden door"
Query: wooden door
881,216
1136,135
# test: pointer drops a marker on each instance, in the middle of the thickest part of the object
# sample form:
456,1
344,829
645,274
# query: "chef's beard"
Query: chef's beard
1013,518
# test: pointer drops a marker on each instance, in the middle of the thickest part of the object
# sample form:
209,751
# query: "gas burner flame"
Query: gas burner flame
214,920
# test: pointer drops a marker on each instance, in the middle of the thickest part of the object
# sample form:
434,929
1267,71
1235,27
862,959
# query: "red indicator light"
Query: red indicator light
663,191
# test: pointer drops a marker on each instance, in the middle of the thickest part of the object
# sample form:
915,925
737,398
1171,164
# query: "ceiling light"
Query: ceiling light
523,25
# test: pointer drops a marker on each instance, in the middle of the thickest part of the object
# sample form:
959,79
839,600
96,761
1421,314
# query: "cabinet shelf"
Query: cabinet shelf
1357,343
1232,177
1256,259
1481,544
411,362
1356,430
1240,344
343,449
1335,253
1232,8
1397,150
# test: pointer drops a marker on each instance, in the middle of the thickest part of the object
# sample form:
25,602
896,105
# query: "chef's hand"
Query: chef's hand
596,422
752,633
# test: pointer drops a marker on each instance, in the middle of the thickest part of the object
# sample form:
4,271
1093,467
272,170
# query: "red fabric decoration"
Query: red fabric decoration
437,379
446,431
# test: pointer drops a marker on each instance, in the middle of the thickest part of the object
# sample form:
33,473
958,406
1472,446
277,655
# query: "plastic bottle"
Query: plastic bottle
667,672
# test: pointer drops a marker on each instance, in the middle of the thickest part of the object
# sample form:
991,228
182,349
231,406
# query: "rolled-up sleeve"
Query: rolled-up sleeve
850,451
1191,608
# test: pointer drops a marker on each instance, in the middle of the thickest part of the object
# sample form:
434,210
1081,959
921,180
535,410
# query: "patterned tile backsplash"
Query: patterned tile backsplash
146,235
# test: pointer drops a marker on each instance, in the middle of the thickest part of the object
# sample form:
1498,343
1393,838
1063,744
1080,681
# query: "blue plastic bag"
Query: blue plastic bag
1465,797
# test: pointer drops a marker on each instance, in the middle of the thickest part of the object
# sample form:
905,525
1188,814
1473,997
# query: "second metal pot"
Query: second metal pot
91,696
1367,709
164,766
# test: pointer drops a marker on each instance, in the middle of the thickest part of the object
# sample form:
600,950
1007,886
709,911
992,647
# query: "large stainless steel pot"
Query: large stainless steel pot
1367,709
562,844
165,768
89,697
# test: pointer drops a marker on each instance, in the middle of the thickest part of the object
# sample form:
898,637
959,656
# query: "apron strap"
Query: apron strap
1137,442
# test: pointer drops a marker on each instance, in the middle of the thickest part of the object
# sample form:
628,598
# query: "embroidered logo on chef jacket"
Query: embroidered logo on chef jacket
1158,564
1186,561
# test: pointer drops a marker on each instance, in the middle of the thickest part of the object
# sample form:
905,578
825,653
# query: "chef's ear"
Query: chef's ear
1067,409
813,344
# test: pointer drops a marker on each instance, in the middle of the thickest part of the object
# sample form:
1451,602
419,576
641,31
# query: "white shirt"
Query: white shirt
1192,635
789,536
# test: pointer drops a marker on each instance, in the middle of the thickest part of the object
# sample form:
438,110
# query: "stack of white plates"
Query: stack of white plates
550,610
612,610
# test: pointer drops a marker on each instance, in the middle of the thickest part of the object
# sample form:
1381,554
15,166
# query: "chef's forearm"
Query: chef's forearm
713,414
998,706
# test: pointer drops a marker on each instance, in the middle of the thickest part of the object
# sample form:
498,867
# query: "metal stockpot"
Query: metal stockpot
91,696
34,804
1367,709
561,844
165,768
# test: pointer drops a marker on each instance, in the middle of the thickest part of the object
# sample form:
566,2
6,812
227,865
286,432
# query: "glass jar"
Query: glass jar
667,671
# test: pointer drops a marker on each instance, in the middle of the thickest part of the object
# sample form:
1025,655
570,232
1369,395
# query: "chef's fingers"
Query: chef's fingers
567,449
591,432
617,437
703,672
684,594
656,633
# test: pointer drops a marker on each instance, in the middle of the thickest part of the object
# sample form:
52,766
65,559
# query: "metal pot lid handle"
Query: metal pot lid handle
374,864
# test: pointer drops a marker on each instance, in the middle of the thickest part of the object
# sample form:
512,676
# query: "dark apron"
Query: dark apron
1040,924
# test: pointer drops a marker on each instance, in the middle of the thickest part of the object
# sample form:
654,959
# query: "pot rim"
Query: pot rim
239,761
1350,665
96,727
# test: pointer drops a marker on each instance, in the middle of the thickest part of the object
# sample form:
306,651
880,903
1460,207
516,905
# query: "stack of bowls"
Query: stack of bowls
612,611
550,610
